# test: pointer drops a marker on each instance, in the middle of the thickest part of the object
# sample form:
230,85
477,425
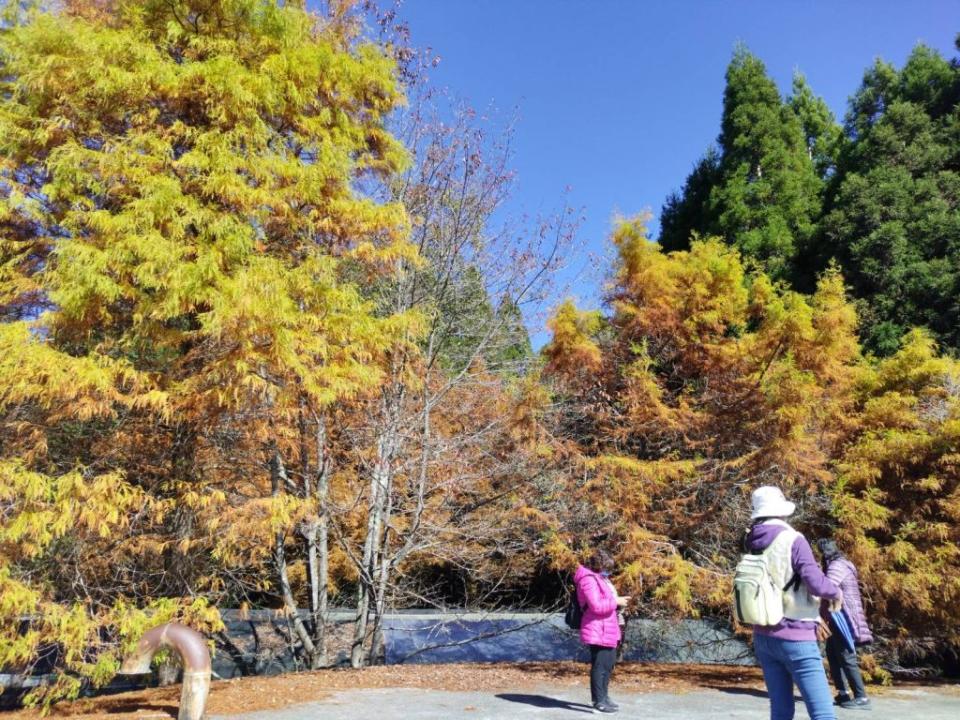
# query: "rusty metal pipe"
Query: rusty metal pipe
194,655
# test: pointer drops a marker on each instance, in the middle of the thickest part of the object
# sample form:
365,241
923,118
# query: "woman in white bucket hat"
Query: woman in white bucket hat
787,651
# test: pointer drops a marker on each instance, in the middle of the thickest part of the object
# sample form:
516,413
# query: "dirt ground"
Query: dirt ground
230,697
245,695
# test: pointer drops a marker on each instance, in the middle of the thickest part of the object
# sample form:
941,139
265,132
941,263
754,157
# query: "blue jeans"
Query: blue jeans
786,662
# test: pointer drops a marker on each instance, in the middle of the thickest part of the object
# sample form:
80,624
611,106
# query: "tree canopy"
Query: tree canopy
792,189
759,189
706,379
892,217
180,226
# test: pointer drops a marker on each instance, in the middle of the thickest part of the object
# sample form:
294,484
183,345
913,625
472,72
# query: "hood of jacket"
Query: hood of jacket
582,572
762,534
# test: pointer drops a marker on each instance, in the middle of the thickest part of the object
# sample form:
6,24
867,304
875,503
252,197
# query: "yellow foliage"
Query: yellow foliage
897,487
707,379
573,350
181,265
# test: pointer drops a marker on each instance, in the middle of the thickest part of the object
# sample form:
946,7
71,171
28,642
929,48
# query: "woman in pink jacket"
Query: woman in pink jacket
600,626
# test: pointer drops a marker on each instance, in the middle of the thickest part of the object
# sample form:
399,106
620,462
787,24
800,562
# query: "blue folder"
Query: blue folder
841,623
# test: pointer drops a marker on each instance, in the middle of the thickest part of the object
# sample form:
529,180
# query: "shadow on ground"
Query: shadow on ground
542,701
752,692
140,707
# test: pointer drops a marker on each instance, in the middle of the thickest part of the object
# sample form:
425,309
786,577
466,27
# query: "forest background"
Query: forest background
262,341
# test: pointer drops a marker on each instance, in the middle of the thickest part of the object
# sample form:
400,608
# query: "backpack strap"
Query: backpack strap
575,597
744,545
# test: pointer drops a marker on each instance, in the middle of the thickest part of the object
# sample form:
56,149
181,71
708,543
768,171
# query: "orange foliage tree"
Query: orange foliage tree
705,380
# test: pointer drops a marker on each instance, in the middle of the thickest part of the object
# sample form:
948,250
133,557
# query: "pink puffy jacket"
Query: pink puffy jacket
599,602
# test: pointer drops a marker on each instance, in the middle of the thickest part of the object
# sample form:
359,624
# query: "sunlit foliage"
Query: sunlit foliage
180,243
710,379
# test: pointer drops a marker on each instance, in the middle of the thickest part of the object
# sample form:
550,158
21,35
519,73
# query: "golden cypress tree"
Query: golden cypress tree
897,494
181,239
709,379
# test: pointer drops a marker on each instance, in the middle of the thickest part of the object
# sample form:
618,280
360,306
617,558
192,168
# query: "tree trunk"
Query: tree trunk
383,562
365,576
380,488
279,480
318,542
311,534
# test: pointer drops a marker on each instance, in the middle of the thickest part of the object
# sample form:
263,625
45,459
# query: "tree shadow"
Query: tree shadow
542,701
753,692
133,706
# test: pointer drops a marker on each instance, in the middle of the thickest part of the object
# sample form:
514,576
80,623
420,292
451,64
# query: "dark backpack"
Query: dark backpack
574,613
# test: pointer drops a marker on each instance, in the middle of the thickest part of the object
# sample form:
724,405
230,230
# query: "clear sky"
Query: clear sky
617,99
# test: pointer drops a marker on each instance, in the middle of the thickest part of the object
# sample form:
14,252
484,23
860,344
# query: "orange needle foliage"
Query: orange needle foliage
707,379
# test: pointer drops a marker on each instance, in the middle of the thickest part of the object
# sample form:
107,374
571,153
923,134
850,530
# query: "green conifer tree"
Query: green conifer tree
762,190
689,212
768,196
893,216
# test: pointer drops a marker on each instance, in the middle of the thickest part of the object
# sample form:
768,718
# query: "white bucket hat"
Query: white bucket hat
768,501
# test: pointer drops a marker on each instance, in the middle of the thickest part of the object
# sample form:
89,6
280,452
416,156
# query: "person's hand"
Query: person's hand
623,600
835,605
823,630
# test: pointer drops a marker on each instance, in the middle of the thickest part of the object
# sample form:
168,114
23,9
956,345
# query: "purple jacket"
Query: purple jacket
844,573
801,557
596,596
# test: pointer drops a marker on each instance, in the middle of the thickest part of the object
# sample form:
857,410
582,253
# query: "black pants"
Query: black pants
602,660
843,662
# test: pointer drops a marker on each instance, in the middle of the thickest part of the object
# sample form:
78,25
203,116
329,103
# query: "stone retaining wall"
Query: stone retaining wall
255,642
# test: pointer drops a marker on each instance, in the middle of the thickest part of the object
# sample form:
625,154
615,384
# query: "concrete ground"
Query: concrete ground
551,703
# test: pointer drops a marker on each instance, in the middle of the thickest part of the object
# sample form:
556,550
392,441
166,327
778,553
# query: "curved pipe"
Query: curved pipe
196,664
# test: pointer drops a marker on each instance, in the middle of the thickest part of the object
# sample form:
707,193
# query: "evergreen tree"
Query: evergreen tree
893,216
689,213
823,137
768,196
820,129
881,195
762,193
511,346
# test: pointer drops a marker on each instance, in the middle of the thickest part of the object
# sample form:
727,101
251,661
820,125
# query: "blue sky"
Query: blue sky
618,99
